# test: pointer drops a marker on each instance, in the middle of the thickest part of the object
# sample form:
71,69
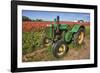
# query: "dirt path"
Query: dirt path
76,54
73,54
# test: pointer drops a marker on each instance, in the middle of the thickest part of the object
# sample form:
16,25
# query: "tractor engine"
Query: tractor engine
56,30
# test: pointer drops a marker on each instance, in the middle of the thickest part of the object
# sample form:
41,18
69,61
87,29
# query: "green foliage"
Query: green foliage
31,40
37,20
75,46
88,31
27,42
25,18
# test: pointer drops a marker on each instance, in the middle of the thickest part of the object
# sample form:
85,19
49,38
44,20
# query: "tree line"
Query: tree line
25,18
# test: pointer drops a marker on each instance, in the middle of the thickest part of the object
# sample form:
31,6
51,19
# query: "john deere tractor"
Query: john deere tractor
61,35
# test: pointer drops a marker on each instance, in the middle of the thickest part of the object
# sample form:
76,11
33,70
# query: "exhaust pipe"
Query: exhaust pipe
57,19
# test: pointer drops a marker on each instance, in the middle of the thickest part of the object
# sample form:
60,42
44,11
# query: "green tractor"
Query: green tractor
61,35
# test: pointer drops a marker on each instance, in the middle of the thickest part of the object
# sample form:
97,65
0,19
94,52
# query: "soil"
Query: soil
73,54
81,53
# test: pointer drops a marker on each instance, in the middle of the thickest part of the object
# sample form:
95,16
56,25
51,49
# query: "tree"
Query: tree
39,20
25,18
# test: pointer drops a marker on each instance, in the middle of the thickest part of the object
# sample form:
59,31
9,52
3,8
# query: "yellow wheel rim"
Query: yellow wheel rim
61,50
47,43
81,37
47,40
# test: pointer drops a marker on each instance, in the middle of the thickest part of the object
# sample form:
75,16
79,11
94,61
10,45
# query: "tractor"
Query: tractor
61,35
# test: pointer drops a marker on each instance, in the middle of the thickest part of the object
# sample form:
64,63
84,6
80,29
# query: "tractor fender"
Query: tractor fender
68,35
75,28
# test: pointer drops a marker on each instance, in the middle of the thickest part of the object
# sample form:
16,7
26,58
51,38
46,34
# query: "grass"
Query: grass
88,32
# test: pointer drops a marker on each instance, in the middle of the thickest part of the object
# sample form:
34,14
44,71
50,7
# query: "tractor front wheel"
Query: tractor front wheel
60,48
46,41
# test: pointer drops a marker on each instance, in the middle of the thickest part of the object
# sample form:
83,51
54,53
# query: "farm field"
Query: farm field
28,25
32,50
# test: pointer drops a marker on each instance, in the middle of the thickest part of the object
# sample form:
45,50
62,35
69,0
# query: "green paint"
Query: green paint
68,36
63,27
75,28
49,31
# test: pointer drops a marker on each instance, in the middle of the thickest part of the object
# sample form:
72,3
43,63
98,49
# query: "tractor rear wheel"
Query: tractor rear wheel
60,48
78,37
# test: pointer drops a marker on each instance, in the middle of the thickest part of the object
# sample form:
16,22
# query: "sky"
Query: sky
50,15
